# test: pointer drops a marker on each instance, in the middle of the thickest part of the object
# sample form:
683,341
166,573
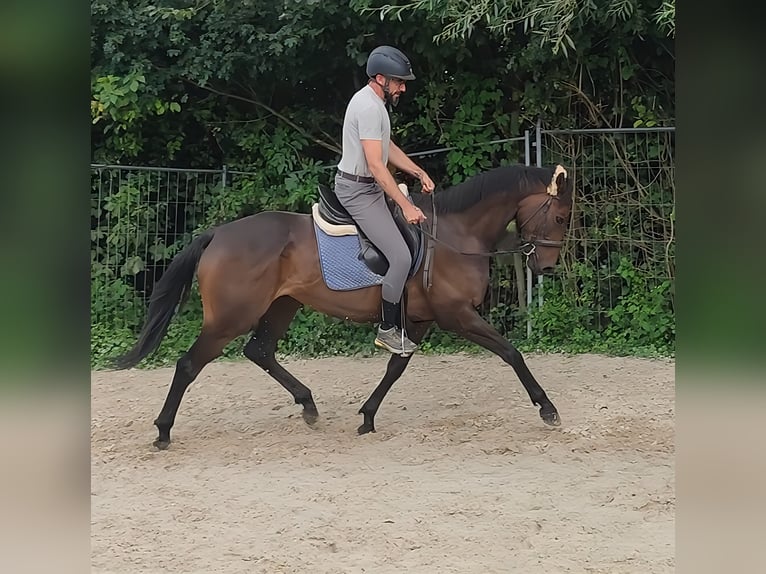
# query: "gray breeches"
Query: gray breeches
366,203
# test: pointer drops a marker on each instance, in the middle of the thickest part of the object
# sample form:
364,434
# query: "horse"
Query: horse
255,272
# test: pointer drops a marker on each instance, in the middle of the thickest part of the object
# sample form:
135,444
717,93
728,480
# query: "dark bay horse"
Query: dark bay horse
254,274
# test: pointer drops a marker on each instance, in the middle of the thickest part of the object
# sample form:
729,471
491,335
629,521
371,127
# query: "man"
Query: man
363,179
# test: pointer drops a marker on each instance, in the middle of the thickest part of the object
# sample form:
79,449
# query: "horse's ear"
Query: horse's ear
558,181
564,184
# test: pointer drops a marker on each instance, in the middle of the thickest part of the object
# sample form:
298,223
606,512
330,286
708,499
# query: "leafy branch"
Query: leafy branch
332,146
550,20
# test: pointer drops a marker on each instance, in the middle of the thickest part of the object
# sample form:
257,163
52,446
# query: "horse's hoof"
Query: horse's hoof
550,417
365,428
310,413
161,444
310,418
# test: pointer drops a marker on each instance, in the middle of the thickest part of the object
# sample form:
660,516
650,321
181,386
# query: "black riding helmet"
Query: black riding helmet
390,62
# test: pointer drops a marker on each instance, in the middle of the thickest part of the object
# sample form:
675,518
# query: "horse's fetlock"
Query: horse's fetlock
305,401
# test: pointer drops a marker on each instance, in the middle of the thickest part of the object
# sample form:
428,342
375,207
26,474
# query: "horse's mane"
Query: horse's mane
512,178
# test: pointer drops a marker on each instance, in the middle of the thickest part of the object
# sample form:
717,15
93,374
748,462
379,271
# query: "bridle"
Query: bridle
527,247
533,242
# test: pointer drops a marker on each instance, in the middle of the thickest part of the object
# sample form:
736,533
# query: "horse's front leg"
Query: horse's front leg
467,323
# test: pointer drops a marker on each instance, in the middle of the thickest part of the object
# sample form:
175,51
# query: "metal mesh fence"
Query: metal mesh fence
505,302
140,218
621,235
621,238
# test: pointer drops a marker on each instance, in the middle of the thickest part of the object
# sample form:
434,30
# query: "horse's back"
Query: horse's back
256,239
264,229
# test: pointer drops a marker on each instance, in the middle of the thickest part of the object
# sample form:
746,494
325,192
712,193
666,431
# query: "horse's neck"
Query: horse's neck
486,221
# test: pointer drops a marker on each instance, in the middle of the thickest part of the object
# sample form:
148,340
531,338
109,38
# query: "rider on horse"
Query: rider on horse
363,180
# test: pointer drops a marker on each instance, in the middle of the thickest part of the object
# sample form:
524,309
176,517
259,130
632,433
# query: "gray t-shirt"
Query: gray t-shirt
366,119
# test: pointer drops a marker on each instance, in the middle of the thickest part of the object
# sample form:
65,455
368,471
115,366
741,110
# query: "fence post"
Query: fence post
527,272
519,272
538,146
224,172
539,152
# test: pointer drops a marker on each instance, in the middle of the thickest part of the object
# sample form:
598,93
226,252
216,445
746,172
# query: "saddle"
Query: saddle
332,218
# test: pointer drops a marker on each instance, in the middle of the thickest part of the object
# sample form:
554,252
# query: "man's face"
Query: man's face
397,87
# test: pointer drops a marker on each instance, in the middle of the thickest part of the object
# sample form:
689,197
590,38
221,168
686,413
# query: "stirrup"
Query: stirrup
383,345
399,347
406,341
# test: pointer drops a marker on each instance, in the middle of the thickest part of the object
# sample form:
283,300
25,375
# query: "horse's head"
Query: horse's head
542,220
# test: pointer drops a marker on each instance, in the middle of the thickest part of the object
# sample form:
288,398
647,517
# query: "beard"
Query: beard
392,100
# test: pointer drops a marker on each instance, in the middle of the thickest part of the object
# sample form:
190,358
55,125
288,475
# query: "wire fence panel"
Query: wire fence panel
618,264
504,304
140,219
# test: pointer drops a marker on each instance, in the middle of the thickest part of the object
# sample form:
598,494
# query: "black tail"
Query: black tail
169,295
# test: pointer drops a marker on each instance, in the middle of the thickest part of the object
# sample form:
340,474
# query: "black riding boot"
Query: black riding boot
390,334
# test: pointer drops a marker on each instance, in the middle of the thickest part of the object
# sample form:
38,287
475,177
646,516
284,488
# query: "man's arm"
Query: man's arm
399,159
373,153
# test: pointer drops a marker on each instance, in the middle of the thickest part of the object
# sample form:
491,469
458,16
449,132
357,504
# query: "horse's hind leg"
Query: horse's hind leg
208,346
262,347
396,366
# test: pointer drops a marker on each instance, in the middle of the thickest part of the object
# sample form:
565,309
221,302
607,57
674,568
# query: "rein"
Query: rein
526,248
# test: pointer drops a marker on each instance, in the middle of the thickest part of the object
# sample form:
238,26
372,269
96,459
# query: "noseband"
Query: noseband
529,245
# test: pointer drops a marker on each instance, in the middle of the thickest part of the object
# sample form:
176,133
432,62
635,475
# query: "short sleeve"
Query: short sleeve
370,123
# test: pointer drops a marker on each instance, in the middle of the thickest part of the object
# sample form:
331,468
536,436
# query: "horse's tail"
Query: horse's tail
168,296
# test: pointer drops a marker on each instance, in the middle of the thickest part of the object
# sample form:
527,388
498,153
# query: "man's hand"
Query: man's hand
399,159
425,181
413,214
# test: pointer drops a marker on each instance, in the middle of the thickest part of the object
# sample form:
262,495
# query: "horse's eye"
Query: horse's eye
560,220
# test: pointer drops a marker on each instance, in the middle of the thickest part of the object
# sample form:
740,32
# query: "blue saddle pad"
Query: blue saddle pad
342,269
